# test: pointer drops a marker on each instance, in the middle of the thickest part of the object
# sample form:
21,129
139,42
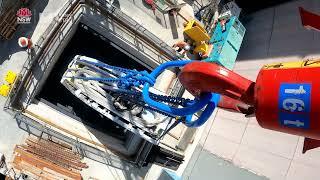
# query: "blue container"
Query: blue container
226,44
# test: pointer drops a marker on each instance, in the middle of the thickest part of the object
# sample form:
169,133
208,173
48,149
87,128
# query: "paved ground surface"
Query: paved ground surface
206,166
273,35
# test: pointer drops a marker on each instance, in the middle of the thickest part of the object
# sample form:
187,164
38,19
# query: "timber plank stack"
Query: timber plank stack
45,159
8,21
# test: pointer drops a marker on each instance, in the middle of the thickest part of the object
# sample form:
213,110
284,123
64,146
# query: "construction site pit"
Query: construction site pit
103,33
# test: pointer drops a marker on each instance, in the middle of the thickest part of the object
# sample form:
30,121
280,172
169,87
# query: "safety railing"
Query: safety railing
34,55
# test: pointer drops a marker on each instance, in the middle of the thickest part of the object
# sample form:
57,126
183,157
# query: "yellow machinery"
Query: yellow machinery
199,35
201,47
196,32
10,79
5,89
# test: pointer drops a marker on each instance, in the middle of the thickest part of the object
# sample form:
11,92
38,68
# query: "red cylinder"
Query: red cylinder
287,98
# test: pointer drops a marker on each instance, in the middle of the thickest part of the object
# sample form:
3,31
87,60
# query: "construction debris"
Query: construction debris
46,159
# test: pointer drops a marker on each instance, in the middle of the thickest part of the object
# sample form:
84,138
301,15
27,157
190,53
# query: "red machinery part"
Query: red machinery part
200,77
151,4
234,105
288,100
286,96
309,19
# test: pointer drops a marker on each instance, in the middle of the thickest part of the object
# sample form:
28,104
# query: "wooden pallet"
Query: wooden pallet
38,168
8,22
47,159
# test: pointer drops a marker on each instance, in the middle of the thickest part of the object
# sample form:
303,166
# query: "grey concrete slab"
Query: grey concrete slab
262,20
252,51
277,32
207,166
10,134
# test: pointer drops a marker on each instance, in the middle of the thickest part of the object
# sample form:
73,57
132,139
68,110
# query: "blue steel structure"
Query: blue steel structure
226,43
130,80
